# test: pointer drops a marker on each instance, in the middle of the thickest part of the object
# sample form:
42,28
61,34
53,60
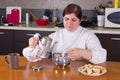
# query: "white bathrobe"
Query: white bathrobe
81,38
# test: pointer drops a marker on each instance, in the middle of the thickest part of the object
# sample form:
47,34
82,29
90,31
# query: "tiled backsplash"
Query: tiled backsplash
40,12
38,6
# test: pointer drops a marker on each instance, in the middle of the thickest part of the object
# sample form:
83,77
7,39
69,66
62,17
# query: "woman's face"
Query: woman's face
71,22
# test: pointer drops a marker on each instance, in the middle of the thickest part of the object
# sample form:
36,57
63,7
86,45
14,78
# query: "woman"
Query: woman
76,41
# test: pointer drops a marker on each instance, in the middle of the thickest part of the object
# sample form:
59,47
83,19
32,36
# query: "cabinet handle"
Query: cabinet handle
2,33
30,34
117,39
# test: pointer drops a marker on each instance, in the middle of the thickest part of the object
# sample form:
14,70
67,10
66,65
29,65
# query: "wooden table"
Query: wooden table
49,72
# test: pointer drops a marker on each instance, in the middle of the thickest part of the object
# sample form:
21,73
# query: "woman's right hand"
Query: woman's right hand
33,42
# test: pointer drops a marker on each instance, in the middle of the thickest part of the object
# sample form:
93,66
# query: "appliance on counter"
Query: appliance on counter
13,14
112,17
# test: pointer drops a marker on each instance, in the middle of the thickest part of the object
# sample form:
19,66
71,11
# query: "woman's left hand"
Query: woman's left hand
77,53
74,53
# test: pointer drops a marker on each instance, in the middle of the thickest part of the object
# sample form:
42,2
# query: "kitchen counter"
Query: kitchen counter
30,27
35,27
104,30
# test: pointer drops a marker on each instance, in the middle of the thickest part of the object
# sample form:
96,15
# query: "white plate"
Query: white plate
80,68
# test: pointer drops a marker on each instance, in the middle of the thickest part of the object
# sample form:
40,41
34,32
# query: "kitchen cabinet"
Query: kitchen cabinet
16,40
6,41
21,38
111,42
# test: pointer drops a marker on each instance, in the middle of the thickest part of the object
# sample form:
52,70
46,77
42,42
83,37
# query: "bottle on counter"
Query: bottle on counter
27,18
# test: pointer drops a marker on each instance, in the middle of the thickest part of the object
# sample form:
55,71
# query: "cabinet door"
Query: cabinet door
6,41
22,37
111,42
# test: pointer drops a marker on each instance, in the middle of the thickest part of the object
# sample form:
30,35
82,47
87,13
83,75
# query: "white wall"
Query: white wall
43,4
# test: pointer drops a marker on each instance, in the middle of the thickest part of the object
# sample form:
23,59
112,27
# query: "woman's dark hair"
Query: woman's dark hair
73,8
